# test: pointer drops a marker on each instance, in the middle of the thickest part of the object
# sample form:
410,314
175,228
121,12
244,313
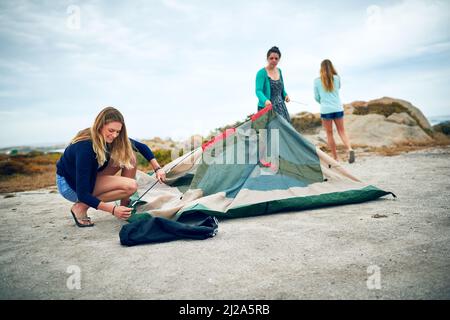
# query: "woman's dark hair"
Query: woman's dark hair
274,50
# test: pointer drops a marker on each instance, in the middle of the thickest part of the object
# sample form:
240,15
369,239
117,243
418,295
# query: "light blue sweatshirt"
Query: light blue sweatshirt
329,101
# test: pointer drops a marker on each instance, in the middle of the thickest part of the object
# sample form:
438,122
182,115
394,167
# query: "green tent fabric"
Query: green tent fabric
262,166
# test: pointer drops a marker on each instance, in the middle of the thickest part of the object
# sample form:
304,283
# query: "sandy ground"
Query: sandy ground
340,252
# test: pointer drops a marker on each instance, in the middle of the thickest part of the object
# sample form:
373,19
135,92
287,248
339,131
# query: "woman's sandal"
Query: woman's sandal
81,225
351,156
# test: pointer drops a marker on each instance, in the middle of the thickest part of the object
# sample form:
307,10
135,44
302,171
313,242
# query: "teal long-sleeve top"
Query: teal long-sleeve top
263,87
330,102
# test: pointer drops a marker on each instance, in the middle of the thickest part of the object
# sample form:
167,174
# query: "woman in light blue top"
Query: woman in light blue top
326,92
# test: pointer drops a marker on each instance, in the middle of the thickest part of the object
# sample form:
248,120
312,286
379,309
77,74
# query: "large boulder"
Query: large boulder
388,106
376,123
377,131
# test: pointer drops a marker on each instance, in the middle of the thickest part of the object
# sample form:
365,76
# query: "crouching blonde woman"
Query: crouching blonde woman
86,172
326,92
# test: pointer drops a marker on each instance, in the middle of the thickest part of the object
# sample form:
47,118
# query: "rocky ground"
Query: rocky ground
384,249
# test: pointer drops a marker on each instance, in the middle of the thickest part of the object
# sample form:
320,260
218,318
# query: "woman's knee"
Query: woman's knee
339,124
131,186
329,131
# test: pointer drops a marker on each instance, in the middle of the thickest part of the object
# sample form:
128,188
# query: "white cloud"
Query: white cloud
176,68
179,6
394,32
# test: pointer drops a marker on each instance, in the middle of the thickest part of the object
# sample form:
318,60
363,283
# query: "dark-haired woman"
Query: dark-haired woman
326,92
270,85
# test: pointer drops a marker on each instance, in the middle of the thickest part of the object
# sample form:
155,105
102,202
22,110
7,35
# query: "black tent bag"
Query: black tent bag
157,229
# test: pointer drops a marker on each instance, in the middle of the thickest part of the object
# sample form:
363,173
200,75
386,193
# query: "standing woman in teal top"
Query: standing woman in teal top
270,85
326,92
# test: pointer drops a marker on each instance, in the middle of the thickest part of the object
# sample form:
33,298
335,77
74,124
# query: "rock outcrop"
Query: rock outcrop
376,130
388,106
376,123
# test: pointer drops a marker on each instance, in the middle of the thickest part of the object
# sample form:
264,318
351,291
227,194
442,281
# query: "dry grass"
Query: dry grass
27,172
24,182
20,182
31,172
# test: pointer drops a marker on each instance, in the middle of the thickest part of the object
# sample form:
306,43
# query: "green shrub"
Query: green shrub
443,127
164,156
306,123
34,153
141,161
10,167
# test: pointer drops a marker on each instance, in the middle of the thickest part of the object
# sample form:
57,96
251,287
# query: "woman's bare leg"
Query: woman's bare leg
112,169
341,131
129,173
328,126
109,187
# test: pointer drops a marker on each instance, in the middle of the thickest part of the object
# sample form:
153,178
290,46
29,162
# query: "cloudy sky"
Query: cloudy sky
175,68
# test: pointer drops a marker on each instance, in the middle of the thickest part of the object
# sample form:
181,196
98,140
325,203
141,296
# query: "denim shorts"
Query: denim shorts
65,190
331,116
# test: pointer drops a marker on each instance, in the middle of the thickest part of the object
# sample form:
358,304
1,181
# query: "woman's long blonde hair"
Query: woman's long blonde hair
120,148
327,72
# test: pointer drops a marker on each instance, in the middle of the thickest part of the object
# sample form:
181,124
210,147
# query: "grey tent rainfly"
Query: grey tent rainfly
263,166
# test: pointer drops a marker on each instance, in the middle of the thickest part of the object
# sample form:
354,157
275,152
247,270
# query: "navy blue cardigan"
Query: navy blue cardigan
79,166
